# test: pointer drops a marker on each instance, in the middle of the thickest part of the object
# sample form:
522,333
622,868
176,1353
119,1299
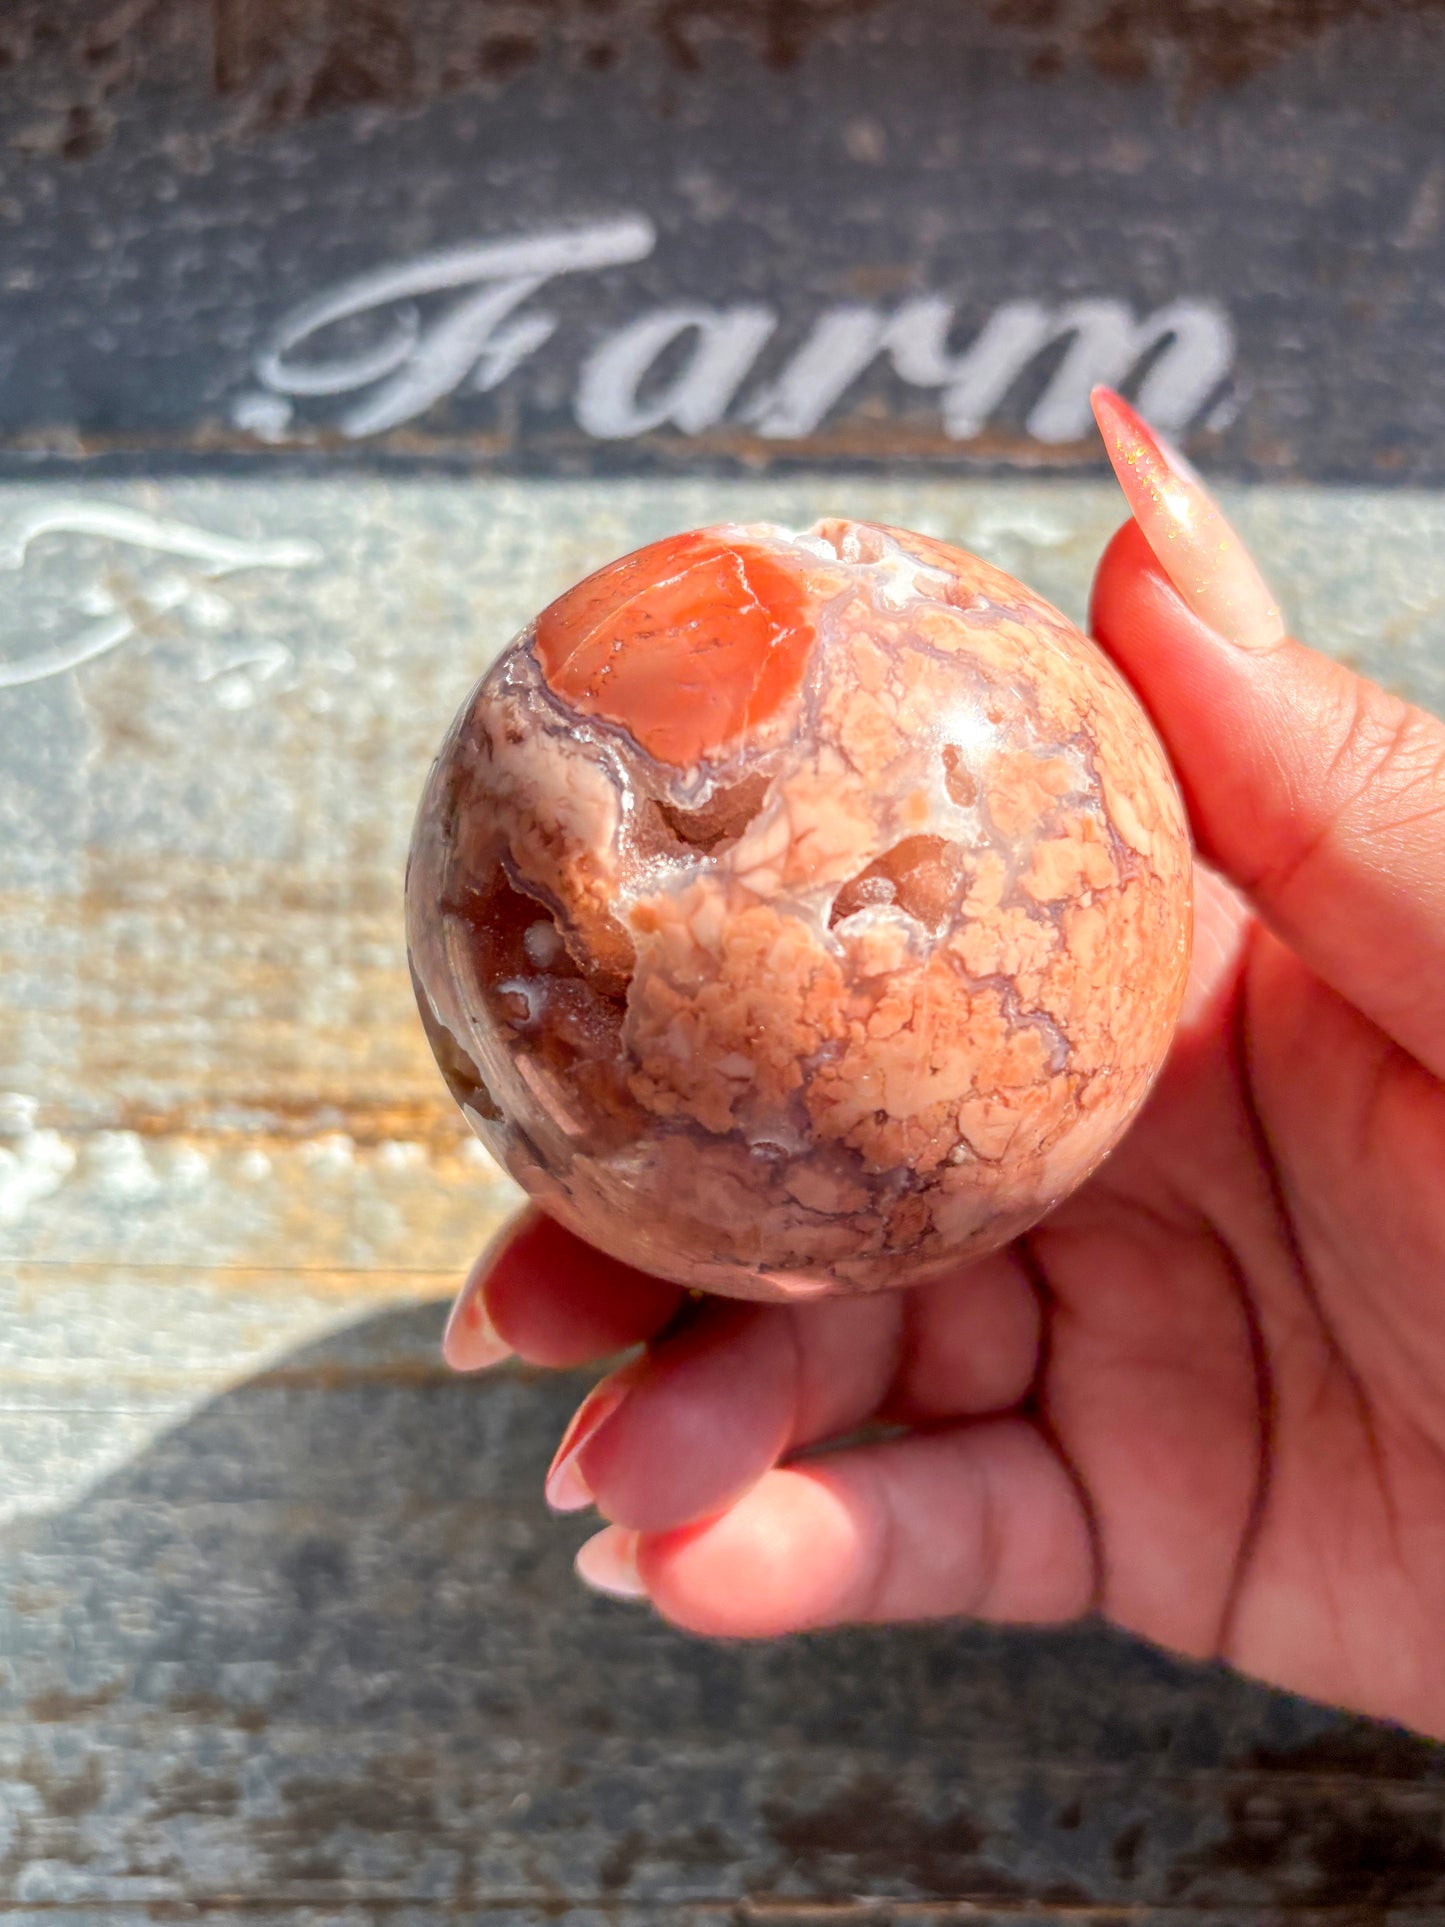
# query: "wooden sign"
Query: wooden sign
586,238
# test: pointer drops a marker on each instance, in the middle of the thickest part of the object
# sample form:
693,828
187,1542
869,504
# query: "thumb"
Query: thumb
1319,794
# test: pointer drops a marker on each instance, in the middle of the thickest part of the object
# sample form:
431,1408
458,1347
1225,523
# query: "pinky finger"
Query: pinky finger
983,1521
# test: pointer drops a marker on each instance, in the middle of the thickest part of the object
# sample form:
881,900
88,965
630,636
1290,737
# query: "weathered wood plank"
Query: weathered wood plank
315,1648
518,1911
285,1633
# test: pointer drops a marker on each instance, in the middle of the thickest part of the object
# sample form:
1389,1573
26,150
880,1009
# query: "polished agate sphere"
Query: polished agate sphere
800,913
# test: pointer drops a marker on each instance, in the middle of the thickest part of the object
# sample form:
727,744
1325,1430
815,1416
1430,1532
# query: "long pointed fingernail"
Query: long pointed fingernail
608,1563
471,1342
1197,549
566,1488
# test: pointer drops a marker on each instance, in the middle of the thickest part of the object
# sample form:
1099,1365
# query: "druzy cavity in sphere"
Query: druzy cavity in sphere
793,913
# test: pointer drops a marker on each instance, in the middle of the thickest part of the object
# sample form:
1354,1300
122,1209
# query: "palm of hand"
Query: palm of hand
1244,1353
1206,1397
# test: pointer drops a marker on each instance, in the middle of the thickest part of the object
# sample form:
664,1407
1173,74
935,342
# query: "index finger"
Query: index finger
1317,792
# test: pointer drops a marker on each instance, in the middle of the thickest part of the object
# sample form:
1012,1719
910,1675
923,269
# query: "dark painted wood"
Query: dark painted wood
178,180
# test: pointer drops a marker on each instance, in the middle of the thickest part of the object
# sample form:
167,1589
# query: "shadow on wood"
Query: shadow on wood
319,1648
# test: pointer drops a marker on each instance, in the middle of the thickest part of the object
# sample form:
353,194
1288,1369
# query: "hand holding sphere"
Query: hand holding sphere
1204,1397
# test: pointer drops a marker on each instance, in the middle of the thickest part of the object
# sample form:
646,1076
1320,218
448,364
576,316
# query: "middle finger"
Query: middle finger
684,1430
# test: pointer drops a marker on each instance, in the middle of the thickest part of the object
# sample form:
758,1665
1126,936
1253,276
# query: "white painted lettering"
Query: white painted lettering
214,555
416,365
683,365
1105,343
842,343
728,342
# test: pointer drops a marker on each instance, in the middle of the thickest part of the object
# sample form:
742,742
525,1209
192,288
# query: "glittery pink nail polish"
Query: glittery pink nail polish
1210,567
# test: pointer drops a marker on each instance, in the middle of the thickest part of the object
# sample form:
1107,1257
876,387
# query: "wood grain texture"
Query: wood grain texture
285,1634
183,178
316,1648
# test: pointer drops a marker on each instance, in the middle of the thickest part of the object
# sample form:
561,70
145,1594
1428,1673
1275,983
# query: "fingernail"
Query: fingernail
1200,553
608,1563
471,1341
566,1489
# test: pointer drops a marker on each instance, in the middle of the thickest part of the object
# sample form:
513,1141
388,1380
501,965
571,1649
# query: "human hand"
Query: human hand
1206,1397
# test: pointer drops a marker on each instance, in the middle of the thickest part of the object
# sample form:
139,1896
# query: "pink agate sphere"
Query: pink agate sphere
800,913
